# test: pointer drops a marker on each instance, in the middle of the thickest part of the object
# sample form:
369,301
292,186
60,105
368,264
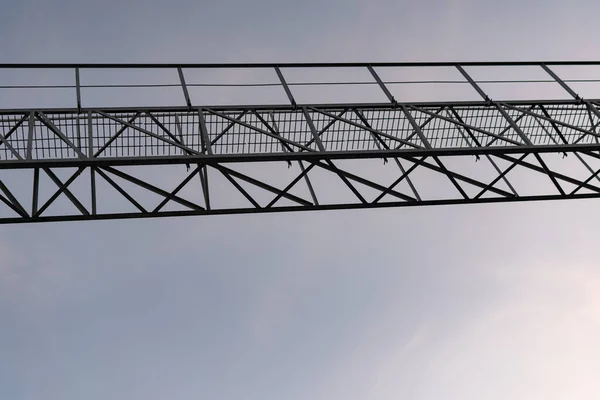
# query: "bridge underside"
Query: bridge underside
65,165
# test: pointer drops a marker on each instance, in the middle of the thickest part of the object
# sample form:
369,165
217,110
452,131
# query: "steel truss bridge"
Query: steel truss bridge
186,157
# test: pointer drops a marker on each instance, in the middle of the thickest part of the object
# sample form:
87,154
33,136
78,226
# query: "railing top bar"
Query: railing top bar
289,107
298,65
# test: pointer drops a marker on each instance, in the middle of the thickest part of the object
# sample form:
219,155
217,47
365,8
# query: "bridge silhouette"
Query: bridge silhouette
398,135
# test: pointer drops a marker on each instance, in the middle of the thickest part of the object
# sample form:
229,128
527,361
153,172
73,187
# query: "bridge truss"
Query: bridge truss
86,163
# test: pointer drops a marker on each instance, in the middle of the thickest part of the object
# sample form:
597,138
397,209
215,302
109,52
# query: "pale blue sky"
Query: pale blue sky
464,302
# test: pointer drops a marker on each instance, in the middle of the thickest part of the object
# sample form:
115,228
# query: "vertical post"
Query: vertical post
560,82
79,132
288,92
90,136
30,134
203,172
186,94
36,188
180,133
473,83
382,85
78,87
206,145
313,129
179,130
93,188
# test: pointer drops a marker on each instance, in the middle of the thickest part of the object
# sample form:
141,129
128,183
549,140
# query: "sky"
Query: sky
455,302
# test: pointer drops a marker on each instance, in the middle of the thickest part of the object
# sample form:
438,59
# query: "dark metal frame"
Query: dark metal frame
304,65
213,142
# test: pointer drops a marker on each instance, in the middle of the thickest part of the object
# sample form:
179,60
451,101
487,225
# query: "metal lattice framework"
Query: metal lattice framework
85,163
